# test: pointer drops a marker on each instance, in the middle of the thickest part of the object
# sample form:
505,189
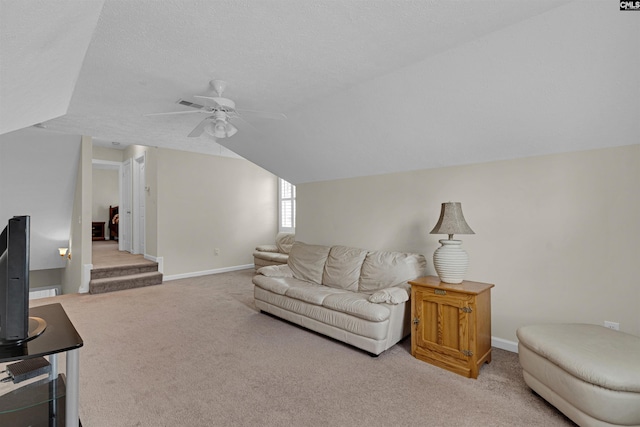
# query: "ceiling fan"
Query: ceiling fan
221,112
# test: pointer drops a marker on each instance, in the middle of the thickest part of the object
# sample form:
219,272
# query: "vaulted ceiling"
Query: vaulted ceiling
368,86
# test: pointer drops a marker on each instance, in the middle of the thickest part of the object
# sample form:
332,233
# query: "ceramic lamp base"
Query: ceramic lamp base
451,261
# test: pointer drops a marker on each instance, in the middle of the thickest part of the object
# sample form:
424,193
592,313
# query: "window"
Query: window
287,206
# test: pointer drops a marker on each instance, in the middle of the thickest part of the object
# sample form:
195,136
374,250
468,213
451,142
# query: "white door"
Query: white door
139,205
124,226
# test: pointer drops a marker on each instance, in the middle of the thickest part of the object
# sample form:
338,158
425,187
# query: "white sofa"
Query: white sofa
590,373
353,295
274,254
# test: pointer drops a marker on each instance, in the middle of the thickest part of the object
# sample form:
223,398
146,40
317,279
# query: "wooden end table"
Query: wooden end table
451,324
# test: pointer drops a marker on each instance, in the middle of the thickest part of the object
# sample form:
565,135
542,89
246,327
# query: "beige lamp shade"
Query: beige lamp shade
451,221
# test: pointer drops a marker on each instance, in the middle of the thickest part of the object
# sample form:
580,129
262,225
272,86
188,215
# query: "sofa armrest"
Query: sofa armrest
392,295
276,271
267,248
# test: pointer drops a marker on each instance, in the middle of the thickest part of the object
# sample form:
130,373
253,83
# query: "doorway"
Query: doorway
128,192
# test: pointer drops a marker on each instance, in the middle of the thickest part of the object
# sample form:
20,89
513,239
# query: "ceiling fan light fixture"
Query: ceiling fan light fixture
230,129
218,110
220,129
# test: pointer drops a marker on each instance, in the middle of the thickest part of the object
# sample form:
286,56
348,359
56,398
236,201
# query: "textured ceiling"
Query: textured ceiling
42,46
278,56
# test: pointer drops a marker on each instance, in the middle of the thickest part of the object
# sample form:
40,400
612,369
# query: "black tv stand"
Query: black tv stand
37,326
53,400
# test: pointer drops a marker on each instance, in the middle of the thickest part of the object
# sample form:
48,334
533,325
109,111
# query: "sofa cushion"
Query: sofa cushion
343,266
313,294
356,305
284,242
592,353
321,319
386,269
393,295
278,285
307,261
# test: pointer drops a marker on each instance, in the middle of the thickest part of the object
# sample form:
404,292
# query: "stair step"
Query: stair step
118,283
123,270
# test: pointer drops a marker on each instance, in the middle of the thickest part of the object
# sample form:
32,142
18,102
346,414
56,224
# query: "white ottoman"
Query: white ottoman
590,373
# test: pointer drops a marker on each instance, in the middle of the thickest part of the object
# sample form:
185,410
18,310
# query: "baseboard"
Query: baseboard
207,272
86,278
504,344
159,260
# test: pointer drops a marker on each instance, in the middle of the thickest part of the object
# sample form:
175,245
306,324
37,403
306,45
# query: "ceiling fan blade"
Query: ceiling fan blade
175,112
198,109
209,98
190,104
264,114
197,131
240,119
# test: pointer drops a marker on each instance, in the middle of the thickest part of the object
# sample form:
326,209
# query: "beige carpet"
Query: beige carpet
105,253
115,270
196,352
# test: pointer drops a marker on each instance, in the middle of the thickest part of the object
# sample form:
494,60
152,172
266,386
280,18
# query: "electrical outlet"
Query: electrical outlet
612,325
216,251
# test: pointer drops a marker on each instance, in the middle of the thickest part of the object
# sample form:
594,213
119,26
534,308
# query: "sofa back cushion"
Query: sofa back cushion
284,242
343,266
385,269
307,261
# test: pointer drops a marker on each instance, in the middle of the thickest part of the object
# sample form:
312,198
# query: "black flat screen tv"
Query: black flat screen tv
14,281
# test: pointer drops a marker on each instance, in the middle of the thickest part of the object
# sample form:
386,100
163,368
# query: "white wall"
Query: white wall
556,234
38,172
207,202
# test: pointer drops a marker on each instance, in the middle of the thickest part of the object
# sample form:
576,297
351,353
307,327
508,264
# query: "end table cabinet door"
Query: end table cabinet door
442,328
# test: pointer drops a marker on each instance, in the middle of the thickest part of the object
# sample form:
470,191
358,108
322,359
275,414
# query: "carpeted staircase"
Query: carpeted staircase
109,279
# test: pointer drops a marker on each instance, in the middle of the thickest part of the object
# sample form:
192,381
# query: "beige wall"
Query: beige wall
73,278
134,151
556,234
104,195
106,183
151,201
106,192
110,154
45,278
207,202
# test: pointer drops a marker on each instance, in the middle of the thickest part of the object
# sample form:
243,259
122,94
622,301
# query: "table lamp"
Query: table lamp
450,260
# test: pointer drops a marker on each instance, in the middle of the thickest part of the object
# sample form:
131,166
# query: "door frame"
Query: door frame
138,205
124,225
